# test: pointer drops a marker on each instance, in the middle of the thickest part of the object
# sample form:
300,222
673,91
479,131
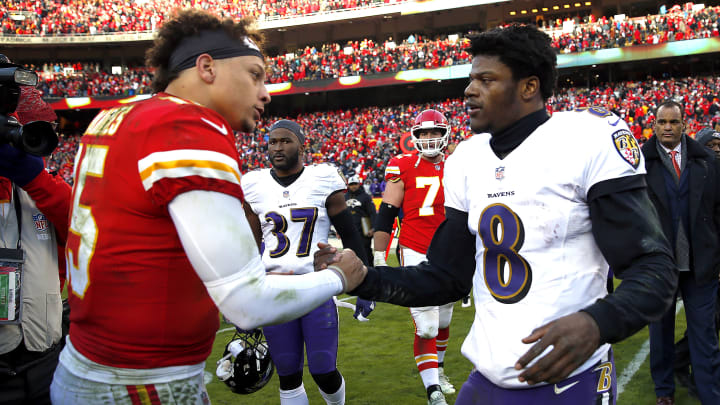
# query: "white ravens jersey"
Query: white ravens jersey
293,218
536,257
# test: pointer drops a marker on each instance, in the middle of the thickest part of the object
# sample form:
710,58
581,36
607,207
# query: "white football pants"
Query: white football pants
427,319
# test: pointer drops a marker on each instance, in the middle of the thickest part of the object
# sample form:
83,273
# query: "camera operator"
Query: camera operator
34,207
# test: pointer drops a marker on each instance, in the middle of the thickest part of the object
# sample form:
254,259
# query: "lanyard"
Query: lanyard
18,214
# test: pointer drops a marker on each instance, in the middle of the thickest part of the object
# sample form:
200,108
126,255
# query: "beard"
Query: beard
479,127
290,162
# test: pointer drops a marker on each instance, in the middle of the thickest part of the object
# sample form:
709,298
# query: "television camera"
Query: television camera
37,137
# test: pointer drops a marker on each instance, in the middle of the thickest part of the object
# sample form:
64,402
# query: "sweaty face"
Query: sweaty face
492,95
284,150
669,126
239,92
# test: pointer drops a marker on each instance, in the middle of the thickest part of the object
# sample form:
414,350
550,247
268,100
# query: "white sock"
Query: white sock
295,396
338,398
430,377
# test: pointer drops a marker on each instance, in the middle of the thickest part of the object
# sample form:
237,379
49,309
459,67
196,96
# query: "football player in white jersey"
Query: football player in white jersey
290,208
537,207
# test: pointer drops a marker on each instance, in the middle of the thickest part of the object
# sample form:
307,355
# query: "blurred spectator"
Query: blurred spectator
367,57
53,17
362,140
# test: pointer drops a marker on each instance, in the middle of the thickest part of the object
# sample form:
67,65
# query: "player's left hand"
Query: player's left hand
325,256
574,339
363,309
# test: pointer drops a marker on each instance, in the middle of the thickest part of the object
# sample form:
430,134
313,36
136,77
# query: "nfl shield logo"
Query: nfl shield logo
500,173
286,194
41,223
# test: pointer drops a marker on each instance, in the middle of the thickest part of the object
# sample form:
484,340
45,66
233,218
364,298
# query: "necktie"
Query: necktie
674,153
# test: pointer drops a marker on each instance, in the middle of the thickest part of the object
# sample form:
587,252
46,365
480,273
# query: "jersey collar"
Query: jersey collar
505,141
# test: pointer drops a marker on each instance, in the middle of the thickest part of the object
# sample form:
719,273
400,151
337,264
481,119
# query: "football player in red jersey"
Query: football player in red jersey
414,184
158,236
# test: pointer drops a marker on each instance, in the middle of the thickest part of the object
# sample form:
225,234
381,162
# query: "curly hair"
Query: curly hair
188,23
524,49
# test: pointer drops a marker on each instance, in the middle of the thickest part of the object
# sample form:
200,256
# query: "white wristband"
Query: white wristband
340,274
379,259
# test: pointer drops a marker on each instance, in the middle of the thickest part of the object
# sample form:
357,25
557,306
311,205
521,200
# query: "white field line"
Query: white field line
632,367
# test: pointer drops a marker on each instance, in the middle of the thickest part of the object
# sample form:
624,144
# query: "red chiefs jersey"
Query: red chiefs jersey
423,205
136,300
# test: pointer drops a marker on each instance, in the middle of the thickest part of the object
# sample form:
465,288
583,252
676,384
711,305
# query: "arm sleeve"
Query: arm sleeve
716,211
349,234
445,277
52,196
628,233
222,249
370,208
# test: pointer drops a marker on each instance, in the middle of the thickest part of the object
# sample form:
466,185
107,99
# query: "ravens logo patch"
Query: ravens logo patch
627,147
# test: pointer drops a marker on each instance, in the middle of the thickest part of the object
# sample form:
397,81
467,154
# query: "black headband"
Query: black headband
216,43
291,126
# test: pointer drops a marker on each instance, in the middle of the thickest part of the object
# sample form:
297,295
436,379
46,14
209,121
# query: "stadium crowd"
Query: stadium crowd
89,79
361,141
54,17
366,56
592,34
78,79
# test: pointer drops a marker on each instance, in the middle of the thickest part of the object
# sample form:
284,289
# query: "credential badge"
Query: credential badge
627,147
500,173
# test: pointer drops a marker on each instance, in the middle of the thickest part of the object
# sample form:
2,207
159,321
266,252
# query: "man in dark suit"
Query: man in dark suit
709,138
684,186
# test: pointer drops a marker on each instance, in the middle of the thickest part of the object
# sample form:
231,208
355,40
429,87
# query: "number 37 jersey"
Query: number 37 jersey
536,257
293,218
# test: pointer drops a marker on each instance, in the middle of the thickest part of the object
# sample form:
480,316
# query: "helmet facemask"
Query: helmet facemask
435,121
430,147
246,365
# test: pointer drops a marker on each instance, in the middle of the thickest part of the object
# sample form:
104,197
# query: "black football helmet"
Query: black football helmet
246,365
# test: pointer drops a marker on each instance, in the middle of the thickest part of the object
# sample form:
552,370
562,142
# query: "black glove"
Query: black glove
363,309
18,166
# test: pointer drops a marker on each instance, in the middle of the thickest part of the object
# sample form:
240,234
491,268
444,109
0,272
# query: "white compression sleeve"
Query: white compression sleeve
220,245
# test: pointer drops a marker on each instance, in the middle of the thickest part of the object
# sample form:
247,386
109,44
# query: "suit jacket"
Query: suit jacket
704,203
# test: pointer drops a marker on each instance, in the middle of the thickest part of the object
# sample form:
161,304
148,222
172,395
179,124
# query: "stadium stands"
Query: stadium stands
55,17
366,56
571,36
362,140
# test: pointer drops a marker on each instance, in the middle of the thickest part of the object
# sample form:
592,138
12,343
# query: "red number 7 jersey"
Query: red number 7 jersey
423,205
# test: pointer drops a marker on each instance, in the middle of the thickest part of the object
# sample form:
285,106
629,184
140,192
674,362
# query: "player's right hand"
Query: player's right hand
351,268
379,259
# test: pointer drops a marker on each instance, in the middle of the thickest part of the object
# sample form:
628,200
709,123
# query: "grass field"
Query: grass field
376,359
